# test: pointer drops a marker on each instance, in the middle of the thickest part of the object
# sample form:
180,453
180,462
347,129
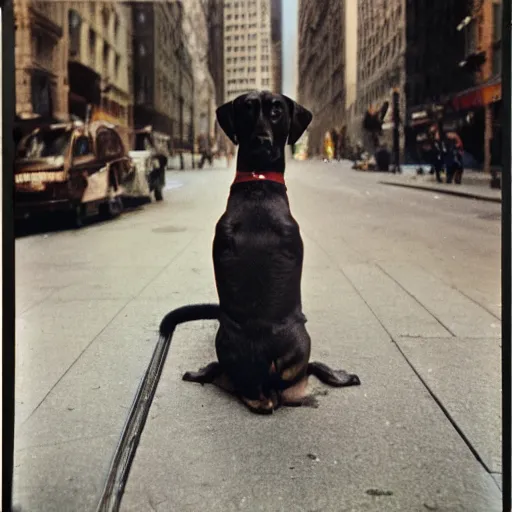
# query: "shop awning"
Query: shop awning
479,96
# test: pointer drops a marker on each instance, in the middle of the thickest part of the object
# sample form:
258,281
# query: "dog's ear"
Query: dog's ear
300,118
226,118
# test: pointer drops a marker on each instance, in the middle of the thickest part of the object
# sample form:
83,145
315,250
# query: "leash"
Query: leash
244,177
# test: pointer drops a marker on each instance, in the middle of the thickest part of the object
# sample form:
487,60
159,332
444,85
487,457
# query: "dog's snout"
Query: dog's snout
264,140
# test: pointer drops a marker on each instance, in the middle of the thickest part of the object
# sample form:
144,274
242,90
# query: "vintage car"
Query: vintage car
72,168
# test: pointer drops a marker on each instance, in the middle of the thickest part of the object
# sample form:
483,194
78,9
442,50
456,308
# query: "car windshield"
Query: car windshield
46,143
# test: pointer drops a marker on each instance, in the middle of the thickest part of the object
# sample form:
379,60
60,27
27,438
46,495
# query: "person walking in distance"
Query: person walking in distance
437,152
205,149
454,154
335,136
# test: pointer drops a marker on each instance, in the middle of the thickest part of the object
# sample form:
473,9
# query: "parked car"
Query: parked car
72,168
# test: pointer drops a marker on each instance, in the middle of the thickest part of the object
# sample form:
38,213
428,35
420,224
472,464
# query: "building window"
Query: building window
142,50
105,58
118,65
92,46
106,19
116,26
75,24
141,17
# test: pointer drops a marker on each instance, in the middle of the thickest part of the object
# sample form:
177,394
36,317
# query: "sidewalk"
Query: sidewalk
475,184
416,341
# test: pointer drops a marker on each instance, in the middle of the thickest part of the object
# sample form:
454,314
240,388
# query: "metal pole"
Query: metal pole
396,132
180,85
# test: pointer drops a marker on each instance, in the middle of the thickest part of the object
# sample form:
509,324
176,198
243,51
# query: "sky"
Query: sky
290,10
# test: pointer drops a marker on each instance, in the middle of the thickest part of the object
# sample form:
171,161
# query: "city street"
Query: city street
400,286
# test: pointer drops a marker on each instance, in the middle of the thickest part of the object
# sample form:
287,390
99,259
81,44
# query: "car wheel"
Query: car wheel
78,216
112,208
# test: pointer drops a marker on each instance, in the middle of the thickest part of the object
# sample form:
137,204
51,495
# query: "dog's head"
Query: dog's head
262,123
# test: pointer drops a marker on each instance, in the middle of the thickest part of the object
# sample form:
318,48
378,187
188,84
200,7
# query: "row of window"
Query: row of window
250,69
242,16
241,81
236,26
235,60
236,5
250,37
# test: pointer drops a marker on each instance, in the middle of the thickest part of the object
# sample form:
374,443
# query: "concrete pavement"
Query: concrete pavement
400,286
475,184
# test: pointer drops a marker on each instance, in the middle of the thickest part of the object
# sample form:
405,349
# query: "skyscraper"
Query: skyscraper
247,47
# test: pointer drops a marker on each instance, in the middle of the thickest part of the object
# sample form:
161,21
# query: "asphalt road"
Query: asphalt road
400,286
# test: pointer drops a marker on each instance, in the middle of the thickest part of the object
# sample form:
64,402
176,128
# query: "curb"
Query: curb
457,193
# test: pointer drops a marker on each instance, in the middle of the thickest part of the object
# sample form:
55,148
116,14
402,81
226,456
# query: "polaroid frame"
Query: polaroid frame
8,261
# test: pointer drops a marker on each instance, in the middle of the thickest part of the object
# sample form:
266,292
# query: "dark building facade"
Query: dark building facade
277,44
321,63
162,71
215,20
435,50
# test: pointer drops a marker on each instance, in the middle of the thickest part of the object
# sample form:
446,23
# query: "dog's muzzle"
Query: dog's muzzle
263,143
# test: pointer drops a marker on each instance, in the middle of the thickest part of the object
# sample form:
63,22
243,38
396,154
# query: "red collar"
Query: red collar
242,177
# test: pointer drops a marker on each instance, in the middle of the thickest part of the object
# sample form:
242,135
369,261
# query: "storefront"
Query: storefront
478,110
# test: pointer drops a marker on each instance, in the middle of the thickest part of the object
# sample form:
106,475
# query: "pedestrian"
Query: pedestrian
204,143
328,147
454,154
335,136
437,153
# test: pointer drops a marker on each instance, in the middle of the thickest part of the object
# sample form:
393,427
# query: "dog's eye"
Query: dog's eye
275,113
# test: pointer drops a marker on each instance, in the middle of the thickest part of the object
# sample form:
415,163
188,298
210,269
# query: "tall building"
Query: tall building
98,36
73,58
399,50
481,104
277,46
247,47
40,60
215,21
321,57
381,47
432,64
350,32
162,71
195,32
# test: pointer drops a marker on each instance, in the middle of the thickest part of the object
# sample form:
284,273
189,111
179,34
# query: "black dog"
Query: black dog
262,345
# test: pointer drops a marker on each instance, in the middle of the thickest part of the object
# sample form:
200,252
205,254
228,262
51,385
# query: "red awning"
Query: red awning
479,96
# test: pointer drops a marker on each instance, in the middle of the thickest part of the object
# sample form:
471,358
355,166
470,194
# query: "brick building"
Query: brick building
432,65
99,56
481,105
40,60
321,61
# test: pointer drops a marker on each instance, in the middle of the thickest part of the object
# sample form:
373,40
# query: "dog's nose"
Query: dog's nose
264,140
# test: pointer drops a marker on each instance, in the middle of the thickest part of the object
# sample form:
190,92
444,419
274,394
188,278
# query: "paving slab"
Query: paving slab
49,338
401,314
61,476
466,388
384,446
462,316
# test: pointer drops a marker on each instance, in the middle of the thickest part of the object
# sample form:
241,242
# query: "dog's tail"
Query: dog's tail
188,314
